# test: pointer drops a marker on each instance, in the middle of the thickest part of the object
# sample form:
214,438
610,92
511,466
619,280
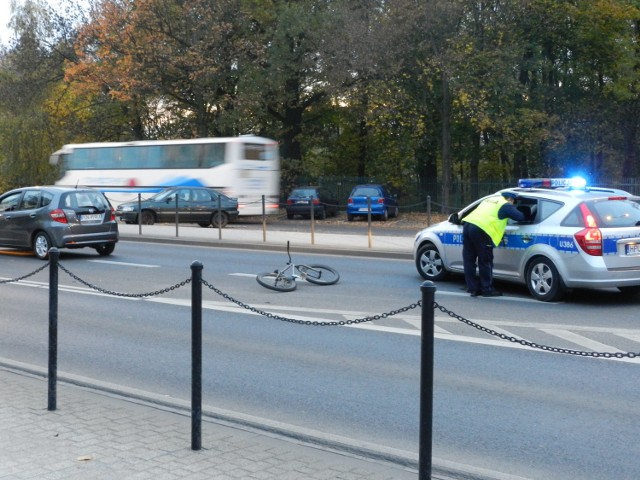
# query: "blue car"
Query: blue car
383,204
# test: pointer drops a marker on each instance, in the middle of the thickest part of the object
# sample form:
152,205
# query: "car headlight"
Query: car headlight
126,209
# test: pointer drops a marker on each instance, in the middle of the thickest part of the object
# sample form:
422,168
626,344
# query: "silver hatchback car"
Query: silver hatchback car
40,218
571,238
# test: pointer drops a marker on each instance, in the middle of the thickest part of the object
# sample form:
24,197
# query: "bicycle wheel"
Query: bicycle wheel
276,281
319,274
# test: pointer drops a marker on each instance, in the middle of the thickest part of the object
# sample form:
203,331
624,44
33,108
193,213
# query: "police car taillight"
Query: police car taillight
590,240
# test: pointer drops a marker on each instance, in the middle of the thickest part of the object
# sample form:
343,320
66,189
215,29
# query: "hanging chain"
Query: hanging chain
526,343
27,275
309,322
120,294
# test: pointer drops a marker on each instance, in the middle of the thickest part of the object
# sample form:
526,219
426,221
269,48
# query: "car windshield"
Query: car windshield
160,196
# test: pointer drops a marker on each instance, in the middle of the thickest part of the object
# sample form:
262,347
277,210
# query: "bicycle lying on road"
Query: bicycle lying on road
285,280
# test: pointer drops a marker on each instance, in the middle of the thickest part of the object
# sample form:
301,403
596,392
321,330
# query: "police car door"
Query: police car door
518,236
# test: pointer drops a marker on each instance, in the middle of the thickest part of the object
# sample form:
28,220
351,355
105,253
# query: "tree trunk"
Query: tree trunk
447,171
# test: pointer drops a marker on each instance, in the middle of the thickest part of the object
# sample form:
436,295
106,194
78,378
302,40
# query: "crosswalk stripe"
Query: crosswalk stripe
580,340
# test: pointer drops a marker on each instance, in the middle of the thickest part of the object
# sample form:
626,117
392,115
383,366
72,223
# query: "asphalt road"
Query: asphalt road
519,411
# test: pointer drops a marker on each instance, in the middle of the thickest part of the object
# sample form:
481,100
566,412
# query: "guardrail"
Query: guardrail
427,304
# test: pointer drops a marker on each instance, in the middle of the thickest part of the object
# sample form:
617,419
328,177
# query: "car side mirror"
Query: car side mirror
453,218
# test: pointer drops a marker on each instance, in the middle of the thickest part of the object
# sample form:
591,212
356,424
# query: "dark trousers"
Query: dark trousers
477,250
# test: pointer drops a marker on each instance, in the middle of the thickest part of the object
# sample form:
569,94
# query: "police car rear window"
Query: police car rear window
616,213
607,214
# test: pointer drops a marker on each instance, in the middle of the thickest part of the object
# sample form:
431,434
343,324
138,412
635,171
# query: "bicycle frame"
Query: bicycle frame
284,280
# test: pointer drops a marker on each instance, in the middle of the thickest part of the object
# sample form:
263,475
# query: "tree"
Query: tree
173,63
31,69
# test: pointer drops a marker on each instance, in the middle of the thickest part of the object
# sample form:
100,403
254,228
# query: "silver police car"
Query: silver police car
573,237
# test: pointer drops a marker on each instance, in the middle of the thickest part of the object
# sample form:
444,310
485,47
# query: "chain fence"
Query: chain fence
23,277
372,318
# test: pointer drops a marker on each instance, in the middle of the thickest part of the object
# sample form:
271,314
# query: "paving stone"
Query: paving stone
96,436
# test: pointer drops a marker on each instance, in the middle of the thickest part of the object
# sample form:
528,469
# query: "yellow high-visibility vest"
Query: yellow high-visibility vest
485,216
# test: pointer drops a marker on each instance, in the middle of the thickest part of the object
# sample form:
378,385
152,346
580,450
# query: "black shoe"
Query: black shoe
474,294
492,293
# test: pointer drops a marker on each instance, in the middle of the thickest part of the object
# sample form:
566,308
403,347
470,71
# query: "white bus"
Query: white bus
245,167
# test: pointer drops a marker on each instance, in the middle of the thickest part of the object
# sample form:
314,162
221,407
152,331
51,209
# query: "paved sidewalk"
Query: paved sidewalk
94,435
255,237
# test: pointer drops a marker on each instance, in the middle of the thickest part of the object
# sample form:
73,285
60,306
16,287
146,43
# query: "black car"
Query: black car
201,205
300,200
39,218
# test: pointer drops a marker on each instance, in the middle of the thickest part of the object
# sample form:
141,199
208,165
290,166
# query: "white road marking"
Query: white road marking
126,264
413,321
579,340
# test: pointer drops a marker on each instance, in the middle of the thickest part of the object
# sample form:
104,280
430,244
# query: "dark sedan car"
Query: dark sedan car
300,200
201,205
40,218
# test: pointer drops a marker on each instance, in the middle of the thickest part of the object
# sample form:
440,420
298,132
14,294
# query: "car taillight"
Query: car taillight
587,216
289,201
590,239
316,201
113,215
58,215
350,200
381,200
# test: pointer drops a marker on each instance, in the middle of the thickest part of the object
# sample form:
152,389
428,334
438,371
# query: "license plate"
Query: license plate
302,202
91,218
363,209
632,249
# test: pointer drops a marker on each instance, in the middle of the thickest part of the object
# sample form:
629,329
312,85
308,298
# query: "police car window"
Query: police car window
616,213
574,219
546,208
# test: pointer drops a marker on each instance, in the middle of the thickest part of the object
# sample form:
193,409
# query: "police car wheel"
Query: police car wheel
543,280
429,263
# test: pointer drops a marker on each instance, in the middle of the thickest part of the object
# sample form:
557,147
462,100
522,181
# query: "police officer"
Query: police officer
482,230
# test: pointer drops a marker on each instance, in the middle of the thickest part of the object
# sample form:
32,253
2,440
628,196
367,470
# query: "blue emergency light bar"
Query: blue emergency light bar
577,183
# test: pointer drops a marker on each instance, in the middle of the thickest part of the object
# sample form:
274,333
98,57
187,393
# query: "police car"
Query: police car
574,236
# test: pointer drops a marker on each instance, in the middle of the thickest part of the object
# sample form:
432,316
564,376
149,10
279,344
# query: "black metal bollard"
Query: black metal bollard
428,290
52,376
196,355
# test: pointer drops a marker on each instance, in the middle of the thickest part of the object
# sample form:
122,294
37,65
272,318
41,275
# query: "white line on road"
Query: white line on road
126,264
580,340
